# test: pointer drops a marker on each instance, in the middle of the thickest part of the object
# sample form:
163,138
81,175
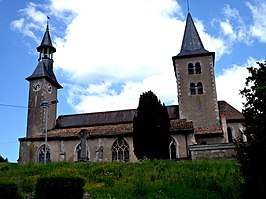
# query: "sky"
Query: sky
108,52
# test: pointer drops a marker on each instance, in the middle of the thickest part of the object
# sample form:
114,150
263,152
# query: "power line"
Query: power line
13,106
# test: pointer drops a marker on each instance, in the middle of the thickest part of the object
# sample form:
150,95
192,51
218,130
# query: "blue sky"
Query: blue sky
110,51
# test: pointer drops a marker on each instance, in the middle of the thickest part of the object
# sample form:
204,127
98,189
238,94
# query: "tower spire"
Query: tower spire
44,68
191,44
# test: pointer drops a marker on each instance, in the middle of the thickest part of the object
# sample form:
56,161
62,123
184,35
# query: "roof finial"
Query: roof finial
188,6
47,27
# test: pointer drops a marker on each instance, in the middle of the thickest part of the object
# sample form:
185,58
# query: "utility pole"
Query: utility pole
45,104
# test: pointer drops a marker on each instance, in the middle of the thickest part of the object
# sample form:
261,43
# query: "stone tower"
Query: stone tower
43,87
194,71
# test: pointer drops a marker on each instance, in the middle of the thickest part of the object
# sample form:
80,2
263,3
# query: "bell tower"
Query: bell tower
43,87
194,71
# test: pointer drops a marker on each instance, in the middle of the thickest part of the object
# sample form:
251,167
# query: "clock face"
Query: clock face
49,88
36,86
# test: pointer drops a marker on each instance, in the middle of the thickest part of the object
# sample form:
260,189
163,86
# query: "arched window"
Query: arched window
230,135
42,152
172,149
120,150
190,69
198,68
99,154
200,88
192,89
78,155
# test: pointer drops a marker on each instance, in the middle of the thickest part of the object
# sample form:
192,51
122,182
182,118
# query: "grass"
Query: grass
148,179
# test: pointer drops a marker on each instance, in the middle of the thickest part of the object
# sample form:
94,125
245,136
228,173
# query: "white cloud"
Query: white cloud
212,44
124,50
230,12
129,41
227,28
233,27
109,96
112,51
32,21
258,10
231,81
237,28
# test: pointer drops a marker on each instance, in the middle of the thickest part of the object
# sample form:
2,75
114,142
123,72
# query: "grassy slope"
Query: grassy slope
148,179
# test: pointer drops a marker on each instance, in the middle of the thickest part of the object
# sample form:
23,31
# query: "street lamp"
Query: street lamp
45,104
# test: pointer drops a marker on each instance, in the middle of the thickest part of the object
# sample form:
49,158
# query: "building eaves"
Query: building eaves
44,69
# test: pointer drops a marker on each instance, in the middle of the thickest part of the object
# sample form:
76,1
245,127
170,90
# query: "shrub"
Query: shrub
3,159
151,128
59,187
8,191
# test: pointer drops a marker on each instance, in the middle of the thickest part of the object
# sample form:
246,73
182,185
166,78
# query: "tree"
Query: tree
252,154
2,159
151,128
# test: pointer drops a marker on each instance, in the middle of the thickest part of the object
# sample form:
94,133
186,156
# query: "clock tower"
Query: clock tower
43,87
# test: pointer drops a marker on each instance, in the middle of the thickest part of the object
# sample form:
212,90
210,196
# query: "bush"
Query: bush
59,187
9,191
3,159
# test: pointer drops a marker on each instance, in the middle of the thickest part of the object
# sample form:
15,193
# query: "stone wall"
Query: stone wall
212,151
65,149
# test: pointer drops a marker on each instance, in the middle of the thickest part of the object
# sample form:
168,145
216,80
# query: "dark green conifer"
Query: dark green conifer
151,127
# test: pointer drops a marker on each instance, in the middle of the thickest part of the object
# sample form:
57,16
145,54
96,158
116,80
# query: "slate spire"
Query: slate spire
44,69
46,42
191,44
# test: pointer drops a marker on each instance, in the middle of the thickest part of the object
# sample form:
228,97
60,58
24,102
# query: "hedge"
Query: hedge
8,191
59,187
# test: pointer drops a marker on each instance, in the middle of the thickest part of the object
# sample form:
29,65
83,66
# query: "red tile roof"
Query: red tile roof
105,118
119,122
108,130
208,130
126,116
230,112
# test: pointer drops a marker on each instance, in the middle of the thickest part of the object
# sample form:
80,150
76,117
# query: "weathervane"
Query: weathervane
48,22
188,5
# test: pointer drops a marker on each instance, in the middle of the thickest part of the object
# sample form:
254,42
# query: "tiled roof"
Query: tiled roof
230,112
126,116
107,130
181,124
94,131
105,118
114,123
46,41
208,130
44,69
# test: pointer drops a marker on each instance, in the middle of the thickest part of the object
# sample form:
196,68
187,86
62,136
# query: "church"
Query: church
201,126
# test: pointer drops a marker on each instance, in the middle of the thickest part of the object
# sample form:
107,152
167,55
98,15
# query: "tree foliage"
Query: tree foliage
252,154
151,128
3,159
